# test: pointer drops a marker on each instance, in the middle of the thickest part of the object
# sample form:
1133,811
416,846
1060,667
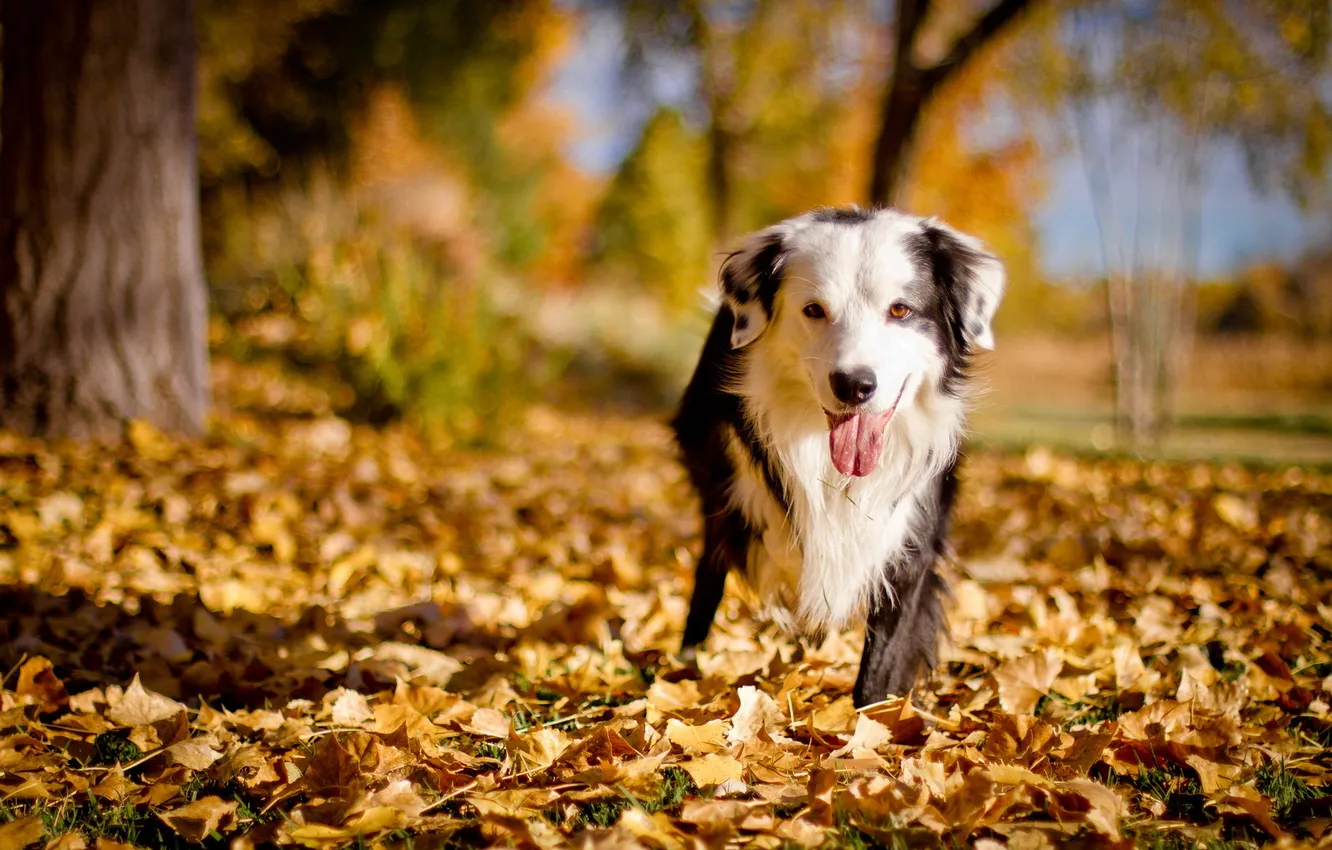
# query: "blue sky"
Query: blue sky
1239,225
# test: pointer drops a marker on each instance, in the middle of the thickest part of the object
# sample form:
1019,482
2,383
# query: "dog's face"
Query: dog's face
871,309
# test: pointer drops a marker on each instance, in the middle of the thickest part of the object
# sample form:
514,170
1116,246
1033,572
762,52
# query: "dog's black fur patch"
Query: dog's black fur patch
756,277
842,215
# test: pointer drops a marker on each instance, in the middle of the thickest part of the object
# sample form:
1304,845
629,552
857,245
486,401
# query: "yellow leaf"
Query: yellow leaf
1023,681
349,708
707,738
195,755
538,748
870,734
141,707
489,723
68,841
838,716
1009,774
713,769
1105,811
1248,800
149,442
195,821
757,711
666,696
38,683
21,833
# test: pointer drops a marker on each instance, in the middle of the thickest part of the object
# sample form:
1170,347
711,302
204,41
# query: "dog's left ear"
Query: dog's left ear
970,275
750,277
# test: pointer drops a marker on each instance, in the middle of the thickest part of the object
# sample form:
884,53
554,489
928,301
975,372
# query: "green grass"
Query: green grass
849,836
601,813
676,786
94,819
1092,713
115,748
129,823
490,750
1282,787
1178,789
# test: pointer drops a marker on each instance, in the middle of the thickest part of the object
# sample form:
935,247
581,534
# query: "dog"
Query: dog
822,424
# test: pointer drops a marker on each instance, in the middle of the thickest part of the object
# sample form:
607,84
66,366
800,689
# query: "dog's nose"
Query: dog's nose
854,386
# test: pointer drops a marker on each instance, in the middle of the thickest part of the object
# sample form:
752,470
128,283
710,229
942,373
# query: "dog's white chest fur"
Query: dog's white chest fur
818,565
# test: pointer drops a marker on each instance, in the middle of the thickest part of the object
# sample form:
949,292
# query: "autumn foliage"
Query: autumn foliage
306,633
390,602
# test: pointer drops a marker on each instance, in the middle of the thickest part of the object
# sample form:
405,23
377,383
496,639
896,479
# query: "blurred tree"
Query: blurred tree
385,182
979,157
789,96
654,222
1150,85
102,298
915,80
780,83
285,82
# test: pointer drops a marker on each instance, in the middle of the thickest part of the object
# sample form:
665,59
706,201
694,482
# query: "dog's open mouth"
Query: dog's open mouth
855,439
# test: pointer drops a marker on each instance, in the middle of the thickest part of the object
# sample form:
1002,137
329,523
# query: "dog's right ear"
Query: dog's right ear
750,277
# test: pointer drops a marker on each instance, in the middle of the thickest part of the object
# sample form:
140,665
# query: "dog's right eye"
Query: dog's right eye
814,310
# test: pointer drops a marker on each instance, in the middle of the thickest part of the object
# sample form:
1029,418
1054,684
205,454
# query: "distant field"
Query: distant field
1261,399
1265,399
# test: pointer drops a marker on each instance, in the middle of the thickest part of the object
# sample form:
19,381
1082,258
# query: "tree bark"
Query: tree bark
911,87
103,307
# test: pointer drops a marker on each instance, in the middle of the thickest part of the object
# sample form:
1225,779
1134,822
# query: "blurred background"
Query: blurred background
445,211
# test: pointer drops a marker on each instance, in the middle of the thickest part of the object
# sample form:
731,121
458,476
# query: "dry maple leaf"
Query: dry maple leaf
37,683
713,769
710,737
139,706
757,713
1023,681
371,634
196,820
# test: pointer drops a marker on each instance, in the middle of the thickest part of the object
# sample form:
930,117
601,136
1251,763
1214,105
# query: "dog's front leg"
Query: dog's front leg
725,539
901,634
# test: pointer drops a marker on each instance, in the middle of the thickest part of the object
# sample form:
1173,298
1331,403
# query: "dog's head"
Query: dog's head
871,308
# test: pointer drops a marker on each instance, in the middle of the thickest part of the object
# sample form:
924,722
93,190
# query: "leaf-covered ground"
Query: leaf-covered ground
303,633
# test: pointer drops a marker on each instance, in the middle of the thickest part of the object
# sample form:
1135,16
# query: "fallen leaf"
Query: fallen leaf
196,820
141,707
22,832
713,769
195,755
868,735
710,737
757,712
1023,681
349,708
37,683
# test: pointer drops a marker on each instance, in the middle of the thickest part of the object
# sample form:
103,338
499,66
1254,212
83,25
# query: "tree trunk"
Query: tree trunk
720,144
901,115
911,87
902,106
103,307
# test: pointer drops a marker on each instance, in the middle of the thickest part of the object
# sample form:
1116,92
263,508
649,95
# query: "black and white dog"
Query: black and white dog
821,427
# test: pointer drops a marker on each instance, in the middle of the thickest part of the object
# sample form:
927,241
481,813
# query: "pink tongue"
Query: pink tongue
856,441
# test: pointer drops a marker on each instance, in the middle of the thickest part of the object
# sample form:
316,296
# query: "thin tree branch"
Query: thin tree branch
990,25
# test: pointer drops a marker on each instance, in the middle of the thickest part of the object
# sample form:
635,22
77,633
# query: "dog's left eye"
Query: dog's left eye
899,311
